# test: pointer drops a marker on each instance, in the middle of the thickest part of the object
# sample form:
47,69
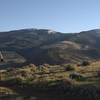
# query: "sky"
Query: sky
58,15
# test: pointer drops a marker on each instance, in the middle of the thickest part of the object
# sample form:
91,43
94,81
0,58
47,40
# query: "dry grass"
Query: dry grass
46,76
57,72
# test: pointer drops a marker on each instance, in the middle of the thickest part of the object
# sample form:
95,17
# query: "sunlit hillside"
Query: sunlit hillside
46,81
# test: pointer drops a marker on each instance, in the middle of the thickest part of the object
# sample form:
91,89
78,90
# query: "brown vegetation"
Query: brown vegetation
69,81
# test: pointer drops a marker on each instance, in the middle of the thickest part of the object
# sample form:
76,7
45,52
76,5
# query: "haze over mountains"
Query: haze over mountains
41,46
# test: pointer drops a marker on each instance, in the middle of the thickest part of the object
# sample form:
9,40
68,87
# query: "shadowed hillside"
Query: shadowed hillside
10,59
41,46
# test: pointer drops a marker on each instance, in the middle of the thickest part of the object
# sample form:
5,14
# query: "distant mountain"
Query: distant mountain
41,46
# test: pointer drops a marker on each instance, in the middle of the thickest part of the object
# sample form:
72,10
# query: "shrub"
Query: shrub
23,74
43,69
85,63
46,65
69,68
33,67
76,76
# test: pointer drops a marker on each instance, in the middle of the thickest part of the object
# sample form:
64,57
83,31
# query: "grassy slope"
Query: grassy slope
44,80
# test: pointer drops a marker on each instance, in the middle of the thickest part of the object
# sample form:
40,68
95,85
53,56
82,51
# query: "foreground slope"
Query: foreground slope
81,82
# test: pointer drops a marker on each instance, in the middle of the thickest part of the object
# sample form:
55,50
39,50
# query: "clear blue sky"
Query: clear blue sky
58,15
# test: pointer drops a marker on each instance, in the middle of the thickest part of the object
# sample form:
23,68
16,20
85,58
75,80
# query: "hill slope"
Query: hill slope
58,82
41,46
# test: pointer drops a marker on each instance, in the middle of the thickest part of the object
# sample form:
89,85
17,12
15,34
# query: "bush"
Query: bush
85,63
23,74
43,69
69,68
76,76
33,67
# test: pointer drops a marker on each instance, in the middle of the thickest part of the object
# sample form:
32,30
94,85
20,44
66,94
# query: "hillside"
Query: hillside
40,46
41,64
71,82
11,58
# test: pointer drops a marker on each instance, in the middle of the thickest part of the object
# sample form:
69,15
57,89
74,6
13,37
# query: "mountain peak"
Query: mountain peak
46,31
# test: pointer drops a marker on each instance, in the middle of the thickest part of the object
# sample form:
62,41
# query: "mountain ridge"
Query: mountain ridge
41,46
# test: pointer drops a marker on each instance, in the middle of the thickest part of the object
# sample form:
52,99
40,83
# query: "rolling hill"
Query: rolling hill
41,46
